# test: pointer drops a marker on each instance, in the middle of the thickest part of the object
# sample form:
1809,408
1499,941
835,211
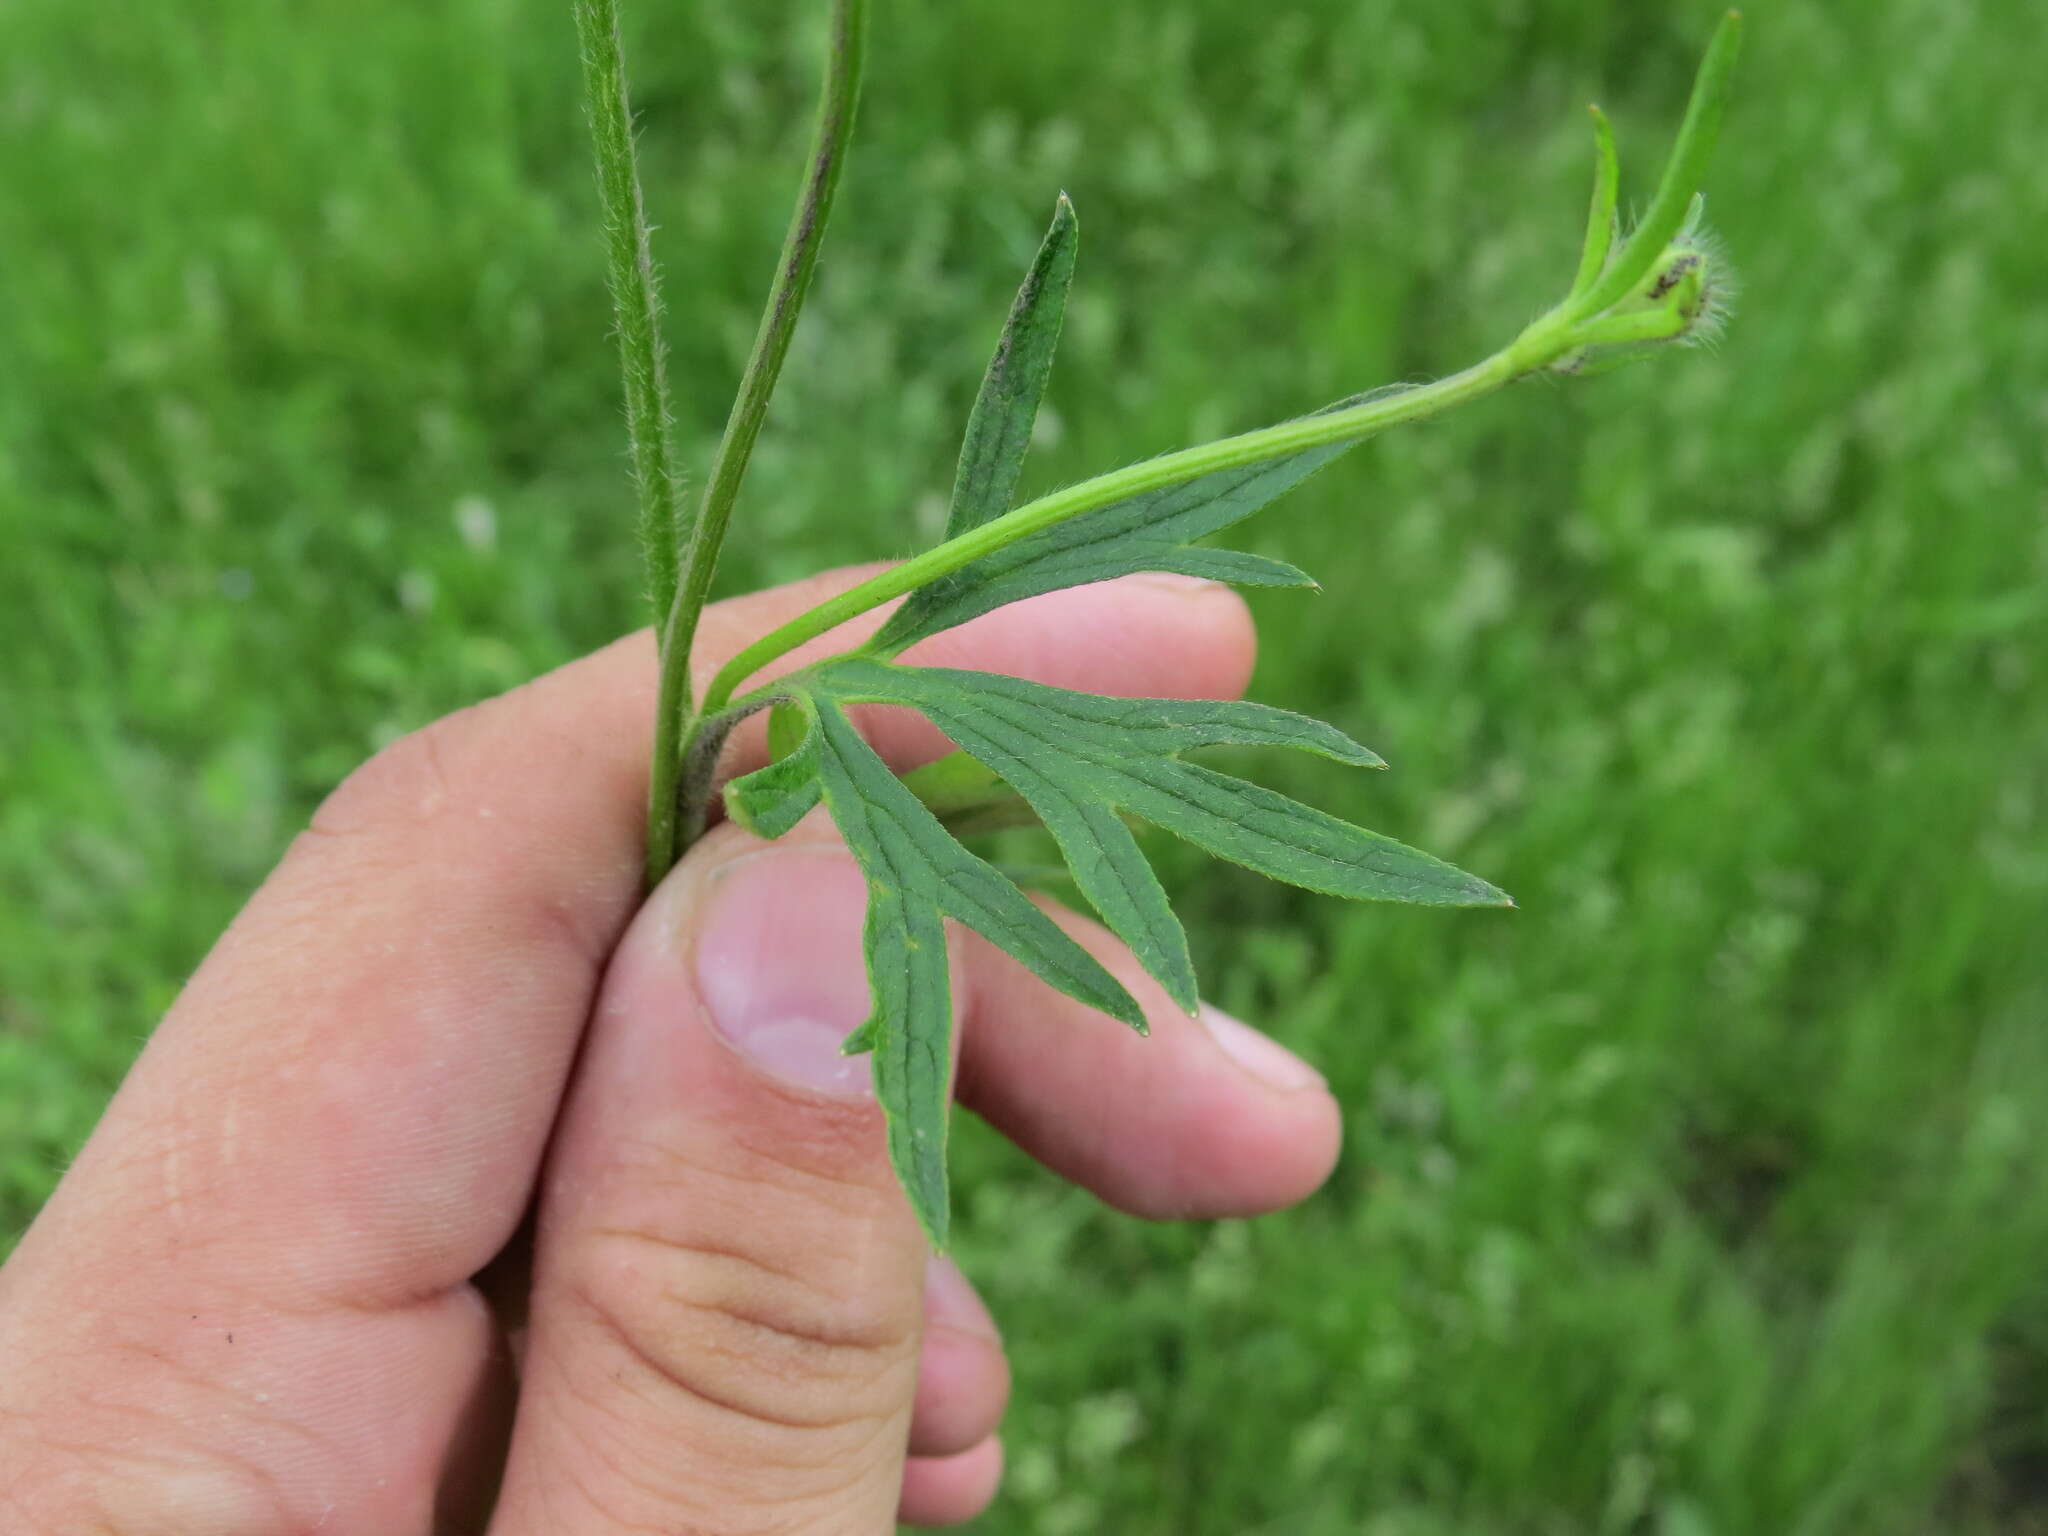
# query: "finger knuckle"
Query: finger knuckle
780,1308
724,1331
102,1474
406,784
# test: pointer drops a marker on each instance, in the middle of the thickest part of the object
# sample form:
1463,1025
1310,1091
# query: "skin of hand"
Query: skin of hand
462,1192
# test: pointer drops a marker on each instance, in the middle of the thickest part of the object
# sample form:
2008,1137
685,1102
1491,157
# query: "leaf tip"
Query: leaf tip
1128,1011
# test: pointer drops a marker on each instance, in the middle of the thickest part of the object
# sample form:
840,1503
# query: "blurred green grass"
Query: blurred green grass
1701,1196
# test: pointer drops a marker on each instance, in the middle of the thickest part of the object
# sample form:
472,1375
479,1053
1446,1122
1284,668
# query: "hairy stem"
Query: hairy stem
636,295
667,837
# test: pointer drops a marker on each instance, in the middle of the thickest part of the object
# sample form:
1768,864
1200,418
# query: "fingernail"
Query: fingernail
1262,1056
779,966
950,1300
1174,581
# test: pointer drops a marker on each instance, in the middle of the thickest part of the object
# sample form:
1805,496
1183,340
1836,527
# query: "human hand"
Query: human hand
453,1194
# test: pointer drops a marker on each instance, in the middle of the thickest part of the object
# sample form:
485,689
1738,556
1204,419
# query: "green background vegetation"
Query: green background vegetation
1701,1197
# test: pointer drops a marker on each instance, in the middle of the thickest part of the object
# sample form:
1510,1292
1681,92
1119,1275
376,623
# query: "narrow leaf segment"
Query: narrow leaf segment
999,426
1600,219
1152,531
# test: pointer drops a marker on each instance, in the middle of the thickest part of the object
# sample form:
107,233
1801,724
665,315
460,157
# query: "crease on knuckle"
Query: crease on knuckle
129,1469
750,1339
630,1494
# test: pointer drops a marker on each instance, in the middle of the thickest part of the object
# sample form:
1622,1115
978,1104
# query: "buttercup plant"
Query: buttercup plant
1076,763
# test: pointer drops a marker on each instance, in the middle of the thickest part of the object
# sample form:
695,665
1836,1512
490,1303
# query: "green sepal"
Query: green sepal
1683,173
1600,217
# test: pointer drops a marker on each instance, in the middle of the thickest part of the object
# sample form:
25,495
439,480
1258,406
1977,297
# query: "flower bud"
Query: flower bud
1683,298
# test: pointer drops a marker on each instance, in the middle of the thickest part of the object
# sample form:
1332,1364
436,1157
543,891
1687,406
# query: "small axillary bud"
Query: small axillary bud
1683,298
1677,289
1678,286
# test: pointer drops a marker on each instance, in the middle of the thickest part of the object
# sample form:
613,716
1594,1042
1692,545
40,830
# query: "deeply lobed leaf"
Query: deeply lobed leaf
1080,761
916,872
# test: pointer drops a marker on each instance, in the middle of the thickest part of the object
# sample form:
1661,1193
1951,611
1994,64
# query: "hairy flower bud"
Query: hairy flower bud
1683,298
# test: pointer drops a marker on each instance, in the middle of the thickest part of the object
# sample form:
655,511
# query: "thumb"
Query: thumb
727,1281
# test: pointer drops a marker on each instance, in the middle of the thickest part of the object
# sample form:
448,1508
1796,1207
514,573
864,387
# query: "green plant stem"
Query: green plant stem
667,835
1544,342
636,295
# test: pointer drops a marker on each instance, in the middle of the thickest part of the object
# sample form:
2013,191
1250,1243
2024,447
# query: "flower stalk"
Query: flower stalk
677,722
1655,289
